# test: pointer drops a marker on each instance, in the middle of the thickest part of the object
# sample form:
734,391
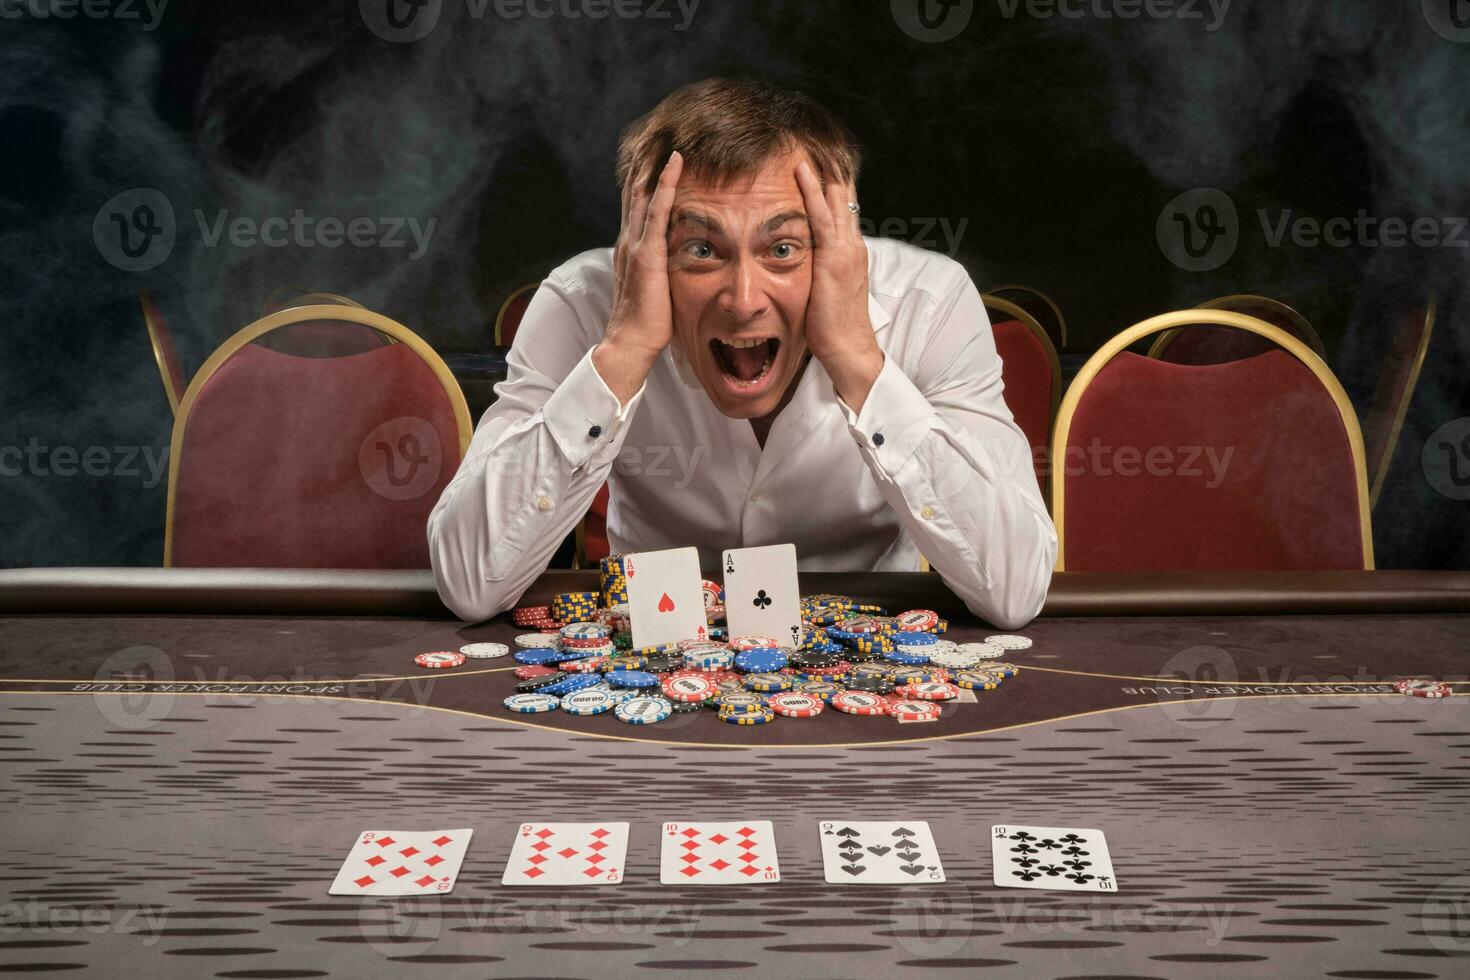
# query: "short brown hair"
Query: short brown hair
728,128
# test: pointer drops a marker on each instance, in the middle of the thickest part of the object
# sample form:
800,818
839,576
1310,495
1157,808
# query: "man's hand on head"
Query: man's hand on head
642,321
839,332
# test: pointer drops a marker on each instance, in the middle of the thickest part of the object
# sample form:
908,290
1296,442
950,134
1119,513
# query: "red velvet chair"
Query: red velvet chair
1032,375
1395,390
1042,308
164,353
284,461
1290,494
1216,345
592,544
508,320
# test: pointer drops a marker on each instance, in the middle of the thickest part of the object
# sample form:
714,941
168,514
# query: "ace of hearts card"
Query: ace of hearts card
665,597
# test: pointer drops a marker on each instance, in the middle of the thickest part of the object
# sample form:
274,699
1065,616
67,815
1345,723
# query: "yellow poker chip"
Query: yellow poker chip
757,718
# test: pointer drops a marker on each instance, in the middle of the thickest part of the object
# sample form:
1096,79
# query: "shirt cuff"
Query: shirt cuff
895,418
583,415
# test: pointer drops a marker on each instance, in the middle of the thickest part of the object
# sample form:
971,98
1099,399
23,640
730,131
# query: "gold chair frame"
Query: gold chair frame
1401,411
1050,304
500,315
1229,303
155,340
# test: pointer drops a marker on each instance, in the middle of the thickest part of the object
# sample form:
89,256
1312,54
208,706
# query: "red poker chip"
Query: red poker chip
532,670
840,667
1420,688
688,687
913,710
930,691
742,643
588,666
917,620
440,659
860,703
795,704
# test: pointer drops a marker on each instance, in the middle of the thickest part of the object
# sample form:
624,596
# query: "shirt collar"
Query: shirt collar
877,315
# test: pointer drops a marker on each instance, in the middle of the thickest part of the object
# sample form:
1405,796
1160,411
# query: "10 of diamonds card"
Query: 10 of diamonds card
402,862
567,854
883,852
1061,858
734,852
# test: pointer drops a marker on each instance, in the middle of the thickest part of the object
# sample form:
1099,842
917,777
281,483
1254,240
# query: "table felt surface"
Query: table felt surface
179,791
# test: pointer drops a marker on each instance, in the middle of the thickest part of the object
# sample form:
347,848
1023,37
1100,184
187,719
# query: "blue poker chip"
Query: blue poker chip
637,679
913,638
763,660
908,659
532,703
538,655
567,685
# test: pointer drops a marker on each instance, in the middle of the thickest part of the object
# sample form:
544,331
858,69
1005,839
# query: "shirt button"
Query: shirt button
595,431
927,513
877,438
755,496
543,503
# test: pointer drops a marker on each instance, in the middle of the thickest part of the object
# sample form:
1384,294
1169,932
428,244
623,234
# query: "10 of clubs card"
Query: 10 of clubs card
883,852
402,862
665,597
1074,859
761,597
567,854
733,852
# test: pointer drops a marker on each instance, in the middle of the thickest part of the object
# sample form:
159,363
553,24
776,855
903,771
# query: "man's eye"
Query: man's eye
700,250
783,250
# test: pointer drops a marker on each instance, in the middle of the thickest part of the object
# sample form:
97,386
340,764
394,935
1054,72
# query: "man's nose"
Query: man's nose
742,298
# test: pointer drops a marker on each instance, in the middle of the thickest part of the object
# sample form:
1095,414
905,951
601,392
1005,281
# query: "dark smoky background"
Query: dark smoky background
1036,148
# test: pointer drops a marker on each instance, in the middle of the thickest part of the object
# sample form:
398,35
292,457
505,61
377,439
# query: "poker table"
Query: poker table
189,755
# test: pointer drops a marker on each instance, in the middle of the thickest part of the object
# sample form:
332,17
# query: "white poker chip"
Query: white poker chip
531,703
1009,642
588,701
985,651
484,651
956,659
537,641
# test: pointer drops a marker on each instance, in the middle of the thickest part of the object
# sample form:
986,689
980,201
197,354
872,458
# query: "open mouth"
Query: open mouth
745,360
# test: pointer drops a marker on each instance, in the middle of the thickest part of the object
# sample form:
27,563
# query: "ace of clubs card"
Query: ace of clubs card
761,597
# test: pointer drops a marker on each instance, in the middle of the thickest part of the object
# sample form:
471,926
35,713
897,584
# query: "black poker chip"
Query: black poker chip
537,683
660,663
685,707
810,660
870,683
860,656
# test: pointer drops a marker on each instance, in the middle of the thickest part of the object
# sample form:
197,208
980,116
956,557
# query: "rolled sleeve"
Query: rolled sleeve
584,417
894,420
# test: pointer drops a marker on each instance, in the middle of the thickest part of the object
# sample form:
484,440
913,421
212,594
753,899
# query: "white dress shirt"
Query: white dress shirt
932,464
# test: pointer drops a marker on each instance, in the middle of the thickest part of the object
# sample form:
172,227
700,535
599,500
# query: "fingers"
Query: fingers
818,211
845,223
656,225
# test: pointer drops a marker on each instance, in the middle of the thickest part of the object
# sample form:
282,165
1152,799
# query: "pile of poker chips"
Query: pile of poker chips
1420,688
852,658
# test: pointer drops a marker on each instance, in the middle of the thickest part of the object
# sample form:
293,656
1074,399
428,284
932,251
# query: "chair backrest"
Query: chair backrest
313,462
592,544
1042,308
1249,464
1384,419
1032,375
508,319
318,338
164,353
1215,345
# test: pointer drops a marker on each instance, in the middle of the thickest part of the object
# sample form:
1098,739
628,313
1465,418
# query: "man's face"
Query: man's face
739,276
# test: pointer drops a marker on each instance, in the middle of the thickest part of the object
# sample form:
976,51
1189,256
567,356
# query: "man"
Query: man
744,368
